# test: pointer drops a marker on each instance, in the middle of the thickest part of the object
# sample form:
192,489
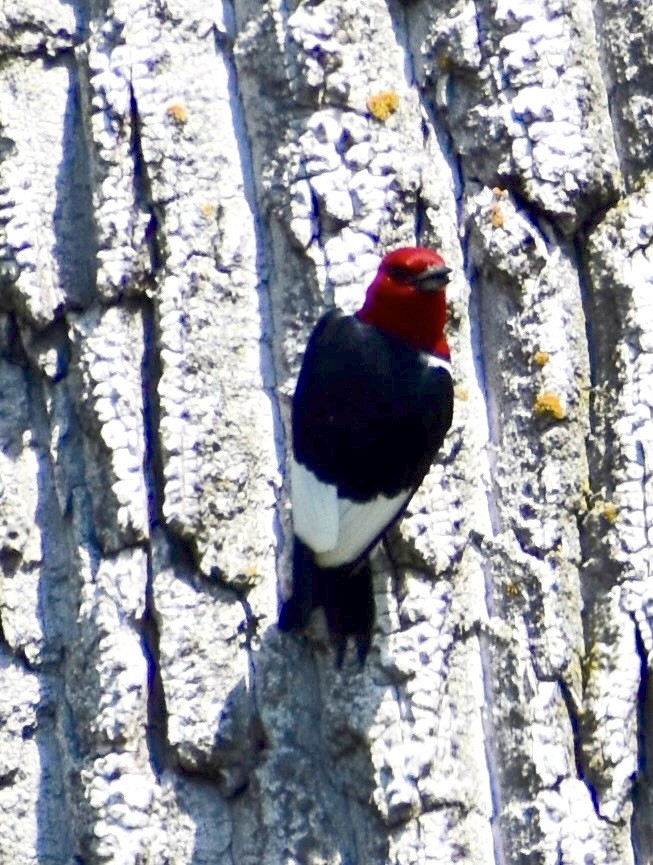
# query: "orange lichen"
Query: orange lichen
496,215
178,112
541,358
548,403
208,209
382,105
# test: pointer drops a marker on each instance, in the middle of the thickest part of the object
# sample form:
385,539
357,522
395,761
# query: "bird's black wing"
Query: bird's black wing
369,412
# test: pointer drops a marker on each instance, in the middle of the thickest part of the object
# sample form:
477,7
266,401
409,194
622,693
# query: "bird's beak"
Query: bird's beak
432,279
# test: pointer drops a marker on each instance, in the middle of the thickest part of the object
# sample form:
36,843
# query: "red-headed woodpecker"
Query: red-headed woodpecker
373,403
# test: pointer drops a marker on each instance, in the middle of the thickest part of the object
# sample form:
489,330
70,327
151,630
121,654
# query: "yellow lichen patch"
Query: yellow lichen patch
541,358
460,392
513,590
178,112
593,662
382,105
610,512
209,210
251,575
548,403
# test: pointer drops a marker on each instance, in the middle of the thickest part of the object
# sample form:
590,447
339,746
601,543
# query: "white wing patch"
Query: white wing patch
360,524
337,530
314,509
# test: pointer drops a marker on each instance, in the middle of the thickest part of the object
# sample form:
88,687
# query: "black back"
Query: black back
369,413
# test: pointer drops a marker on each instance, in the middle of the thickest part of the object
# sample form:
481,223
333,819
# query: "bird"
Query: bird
371,408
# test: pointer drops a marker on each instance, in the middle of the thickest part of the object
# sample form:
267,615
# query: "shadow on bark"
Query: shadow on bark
76,242
292,745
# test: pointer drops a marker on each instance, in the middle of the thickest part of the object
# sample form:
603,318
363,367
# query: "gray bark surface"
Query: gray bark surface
185,185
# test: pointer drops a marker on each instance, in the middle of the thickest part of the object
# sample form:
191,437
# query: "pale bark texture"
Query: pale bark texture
185,185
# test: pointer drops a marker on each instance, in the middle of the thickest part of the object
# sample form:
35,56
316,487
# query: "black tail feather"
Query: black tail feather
349,608
296,611
346,595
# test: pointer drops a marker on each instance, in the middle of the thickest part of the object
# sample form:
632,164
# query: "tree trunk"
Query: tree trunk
185,185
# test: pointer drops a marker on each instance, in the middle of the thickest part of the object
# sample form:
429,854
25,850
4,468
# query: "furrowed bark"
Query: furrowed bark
184,188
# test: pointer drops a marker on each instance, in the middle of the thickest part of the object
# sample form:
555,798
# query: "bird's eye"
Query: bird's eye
400,274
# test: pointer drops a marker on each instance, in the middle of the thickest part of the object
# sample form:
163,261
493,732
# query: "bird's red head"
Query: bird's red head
407,298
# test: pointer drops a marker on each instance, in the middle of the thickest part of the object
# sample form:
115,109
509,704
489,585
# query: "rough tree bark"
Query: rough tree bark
184,186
